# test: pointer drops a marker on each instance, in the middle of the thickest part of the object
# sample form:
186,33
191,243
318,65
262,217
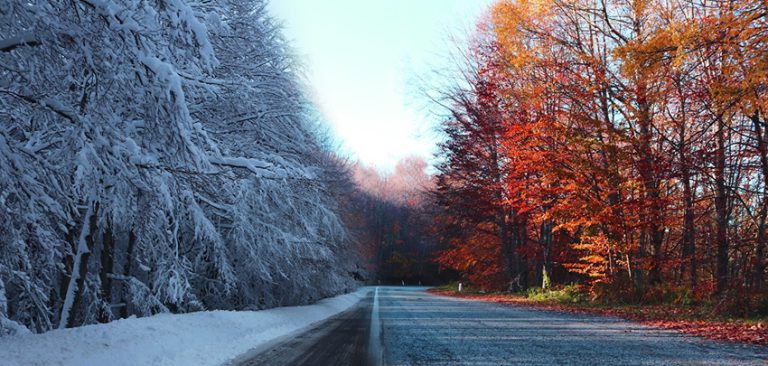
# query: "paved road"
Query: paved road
340,340
418,328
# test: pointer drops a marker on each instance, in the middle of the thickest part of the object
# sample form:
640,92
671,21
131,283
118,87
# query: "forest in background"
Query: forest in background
160,156
617,145
394,223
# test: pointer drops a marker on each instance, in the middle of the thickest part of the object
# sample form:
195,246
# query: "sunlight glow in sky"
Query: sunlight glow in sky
364,59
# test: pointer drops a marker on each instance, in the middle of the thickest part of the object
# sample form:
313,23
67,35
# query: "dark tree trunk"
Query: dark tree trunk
521,238
546,245
107,269
654,228
760,244
507,248
127,272
69,260
83,268
689,233
721,210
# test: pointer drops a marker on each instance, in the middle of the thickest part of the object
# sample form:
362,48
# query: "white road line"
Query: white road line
375,348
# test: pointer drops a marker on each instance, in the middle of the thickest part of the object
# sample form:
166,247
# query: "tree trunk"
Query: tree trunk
521,266
721,210
760,244
688,243
73,295
689,233
656,236
69,261
127,272
507,248
546,244
654,227
107,269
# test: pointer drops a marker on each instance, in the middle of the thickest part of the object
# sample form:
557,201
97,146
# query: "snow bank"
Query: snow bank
202,338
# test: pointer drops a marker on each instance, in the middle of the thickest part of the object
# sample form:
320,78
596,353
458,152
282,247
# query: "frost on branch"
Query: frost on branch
157,156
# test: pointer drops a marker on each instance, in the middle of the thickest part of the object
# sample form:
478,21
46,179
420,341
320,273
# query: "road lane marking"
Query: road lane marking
375,349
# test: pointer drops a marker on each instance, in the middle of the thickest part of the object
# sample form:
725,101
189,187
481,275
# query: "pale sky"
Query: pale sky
363,61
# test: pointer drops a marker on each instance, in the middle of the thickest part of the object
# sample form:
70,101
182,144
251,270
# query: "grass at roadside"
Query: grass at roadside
700,320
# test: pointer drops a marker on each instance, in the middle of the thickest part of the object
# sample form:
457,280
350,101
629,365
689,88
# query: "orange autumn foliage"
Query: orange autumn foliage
617,142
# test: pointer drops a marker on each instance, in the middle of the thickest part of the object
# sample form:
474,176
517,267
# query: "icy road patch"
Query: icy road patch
201,338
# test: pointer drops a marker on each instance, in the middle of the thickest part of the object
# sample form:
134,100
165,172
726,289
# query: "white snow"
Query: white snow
201,338
107,125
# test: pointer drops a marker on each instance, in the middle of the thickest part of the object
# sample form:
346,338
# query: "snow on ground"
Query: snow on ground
202,338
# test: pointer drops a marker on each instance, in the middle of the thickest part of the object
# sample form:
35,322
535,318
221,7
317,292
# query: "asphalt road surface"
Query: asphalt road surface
340,340
413,327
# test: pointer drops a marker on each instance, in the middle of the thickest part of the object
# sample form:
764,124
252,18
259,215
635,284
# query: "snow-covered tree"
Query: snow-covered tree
286,229
157,156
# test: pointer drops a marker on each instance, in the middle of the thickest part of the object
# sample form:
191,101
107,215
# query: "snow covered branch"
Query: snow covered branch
24,39
116,199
